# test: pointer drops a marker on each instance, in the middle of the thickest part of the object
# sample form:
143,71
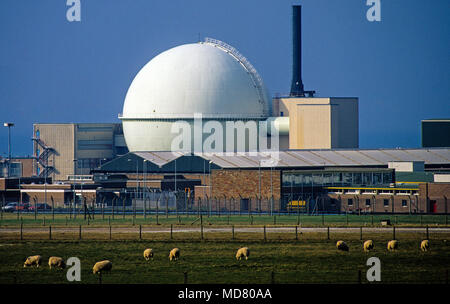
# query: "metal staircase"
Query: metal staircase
42,158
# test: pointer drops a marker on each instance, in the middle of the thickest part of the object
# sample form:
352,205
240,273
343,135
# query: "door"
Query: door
244,204
433,206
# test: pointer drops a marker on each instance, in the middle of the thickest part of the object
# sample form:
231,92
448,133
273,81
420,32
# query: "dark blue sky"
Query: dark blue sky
54,71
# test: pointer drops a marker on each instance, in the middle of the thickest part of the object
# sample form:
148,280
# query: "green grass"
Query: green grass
311,259
28,219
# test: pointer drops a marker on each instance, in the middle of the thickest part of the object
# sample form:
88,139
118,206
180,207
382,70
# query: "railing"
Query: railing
257,80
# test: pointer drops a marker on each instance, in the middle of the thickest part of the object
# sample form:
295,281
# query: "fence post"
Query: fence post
50,232
80,233
232,232
360,233
140,232
393,232
265,233
110,232
171,231
201,231
21,229
328,232
274,219
296,232
427,233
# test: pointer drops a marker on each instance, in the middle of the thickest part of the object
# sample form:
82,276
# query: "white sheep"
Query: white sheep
33,260
148,254
174,254
425,245
56,262
368,245
392,245
341,245
243,252
102,266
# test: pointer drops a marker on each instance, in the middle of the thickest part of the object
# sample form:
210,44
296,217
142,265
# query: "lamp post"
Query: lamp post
9,125
75,164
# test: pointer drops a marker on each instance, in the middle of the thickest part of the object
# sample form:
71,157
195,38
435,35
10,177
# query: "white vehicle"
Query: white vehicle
10,207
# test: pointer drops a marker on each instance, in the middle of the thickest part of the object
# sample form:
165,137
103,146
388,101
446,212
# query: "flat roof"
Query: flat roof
303,158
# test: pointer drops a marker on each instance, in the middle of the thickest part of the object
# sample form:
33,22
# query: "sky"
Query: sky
56,71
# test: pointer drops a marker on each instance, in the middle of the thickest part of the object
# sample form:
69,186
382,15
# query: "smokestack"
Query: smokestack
297,88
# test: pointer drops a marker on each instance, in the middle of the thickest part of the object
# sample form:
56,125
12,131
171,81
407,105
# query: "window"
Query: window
350,202
281,113
386,203
404,203
368,202
357,178
377,179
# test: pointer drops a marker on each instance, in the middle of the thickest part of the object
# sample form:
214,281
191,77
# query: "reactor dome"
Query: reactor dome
209,78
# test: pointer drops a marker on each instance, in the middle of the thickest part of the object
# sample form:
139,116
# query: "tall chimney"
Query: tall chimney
297,88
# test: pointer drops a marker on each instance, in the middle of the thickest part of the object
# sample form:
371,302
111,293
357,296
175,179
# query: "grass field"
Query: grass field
352,220
281,258
310,259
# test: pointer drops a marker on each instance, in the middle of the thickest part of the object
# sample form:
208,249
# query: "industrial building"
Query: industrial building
435,133
199,130
63,150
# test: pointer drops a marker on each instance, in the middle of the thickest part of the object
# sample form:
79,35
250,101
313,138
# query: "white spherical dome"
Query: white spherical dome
195,78
208,78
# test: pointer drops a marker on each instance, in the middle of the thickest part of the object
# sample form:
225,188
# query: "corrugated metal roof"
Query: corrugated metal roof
309,158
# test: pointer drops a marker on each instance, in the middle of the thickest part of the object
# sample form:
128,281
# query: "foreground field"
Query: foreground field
281,259
99,220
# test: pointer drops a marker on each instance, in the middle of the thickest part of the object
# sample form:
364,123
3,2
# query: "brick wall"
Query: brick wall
245,183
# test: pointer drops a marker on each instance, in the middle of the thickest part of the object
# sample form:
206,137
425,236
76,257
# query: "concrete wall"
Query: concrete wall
320,123
60,137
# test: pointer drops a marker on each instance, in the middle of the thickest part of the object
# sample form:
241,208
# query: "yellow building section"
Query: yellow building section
371,188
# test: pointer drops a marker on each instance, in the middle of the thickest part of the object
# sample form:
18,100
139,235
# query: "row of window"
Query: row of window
369,202
294,179
90,163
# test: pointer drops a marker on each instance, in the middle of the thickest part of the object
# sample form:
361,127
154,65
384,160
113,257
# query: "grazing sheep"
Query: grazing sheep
56,262
392,245
341,245
174,254
243,253
368,245
102,266
425,245
33,260
148,254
